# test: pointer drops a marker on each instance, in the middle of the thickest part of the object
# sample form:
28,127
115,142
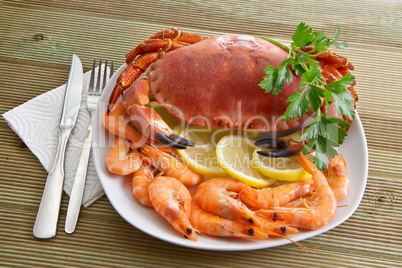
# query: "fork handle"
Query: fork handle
77,191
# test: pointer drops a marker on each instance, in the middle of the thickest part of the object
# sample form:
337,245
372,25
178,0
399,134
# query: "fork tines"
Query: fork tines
98,87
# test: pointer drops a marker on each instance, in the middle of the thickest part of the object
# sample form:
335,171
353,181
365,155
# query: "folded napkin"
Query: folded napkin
36,123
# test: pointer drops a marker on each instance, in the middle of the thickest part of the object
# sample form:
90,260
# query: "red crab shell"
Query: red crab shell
216,80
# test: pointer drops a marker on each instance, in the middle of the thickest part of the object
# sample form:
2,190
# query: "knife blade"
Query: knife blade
48,213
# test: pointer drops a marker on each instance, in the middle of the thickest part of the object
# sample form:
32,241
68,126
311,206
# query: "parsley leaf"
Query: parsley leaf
343,98
314,95
297,107
325,133
303,35
270,80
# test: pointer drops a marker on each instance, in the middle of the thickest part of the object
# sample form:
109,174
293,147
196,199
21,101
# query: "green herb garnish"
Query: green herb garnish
325,133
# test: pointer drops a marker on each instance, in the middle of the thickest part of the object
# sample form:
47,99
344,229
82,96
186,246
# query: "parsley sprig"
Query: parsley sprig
325,133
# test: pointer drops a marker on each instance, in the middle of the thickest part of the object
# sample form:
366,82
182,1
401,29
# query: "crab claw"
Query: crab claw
270,143
287,145
181,140
293,149
149,123
173,141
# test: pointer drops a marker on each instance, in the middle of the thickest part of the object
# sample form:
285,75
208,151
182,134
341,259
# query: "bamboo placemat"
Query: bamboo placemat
37,39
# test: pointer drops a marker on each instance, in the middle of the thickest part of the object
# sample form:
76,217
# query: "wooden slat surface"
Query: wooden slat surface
30,66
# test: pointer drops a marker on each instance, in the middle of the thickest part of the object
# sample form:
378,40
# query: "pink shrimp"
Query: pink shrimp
211,224
318,209
338,177
121,160
338,180
169,165
276,196
140,183
220,197
172,200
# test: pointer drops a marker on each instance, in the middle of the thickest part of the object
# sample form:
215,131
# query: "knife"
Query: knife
48,213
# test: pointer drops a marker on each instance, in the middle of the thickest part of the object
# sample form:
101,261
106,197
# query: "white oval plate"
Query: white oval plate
118,191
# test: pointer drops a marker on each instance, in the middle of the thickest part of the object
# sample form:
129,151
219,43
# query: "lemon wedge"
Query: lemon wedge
280,168
202,157
234,156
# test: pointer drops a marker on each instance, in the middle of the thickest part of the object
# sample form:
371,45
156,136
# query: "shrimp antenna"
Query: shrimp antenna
211,237
159,174
305,248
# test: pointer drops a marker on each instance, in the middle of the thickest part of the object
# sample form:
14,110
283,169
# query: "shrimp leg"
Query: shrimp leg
169,165
320,207
276,196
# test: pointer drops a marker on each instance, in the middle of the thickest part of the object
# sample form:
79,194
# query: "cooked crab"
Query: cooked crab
210,82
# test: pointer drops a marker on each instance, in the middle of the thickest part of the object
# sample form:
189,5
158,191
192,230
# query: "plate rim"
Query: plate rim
357,127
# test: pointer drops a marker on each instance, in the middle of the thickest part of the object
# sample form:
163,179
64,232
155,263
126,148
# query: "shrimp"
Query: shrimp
318,209
117,123
140,183
218,196
172,200
211,224
338,177
338,180
274,228
170,166
120,160
276,196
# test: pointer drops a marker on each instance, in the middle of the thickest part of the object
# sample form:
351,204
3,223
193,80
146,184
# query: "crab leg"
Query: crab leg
333,67
176,34
130,74
146,120
147,52
329,58
331,74
167,40
152,45
135,94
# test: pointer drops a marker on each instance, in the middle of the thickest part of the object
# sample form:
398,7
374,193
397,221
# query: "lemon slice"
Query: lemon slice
280,168
234,155
202,157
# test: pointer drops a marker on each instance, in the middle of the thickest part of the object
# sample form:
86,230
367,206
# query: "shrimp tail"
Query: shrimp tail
306,164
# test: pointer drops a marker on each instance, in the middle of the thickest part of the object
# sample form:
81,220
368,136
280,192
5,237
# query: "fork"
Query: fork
94,93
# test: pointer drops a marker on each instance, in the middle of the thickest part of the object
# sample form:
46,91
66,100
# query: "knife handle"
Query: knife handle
77,192
48,213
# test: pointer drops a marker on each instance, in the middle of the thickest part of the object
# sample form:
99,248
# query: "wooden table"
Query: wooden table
37,39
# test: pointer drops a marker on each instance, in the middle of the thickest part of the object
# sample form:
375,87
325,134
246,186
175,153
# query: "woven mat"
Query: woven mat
37,39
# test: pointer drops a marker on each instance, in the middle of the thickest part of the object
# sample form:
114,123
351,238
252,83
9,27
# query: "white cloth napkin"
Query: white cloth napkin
36,123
